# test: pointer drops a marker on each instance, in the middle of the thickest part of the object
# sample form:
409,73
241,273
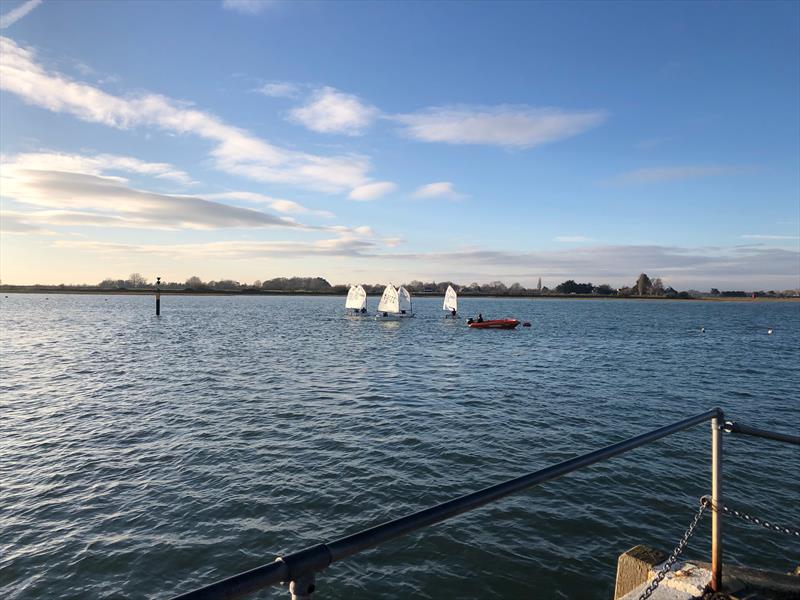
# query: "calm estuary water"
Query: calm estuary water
142,457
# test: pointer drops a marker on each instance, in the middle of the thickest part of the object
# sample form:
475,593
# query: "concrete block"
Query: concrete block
633,568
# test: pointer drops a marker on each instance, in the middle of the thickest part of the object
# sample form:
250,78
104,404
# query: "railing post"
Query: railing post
716,502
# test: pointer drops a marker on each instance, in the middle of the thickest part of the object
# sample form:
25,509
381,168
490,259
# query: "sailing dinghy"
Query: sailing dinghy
394,304
450,303
356,303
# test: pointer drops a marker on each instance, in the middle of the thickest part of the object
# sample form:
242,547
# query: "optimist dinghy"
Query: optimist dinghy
450,303
356,303
395,304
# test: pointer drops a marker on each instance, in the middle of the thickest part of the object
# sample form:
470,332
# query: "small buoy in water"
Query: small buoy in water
702,330
769,331
526,324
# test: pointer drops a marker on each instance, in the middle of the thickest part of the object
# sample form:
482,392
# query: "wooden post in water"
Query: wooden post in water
158,296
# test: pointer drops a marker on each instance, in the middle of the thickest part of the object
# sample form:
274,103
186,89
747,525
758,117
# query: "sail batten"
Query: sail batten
450,299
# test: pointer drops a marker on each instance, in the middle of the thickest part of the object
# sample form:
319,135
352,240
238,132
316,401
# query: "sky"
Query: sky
369,142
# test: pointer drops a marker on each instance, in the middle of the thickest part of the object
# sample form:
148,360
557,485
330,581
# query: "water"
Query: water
142,457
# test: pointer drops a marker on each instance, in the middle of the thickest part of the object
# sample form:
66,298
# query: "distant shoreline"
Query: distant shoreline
151,292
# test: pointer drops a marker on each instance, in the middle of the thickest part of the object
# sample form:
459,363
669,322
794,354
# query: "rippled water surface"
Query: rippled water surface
142,457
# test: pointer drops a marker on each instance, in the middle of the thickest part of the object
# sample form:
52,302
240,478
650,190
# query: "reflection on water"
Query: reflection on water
144,456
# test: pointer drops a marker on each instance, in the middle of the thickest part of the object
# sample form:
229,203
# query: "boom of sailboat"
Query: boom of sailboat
396,304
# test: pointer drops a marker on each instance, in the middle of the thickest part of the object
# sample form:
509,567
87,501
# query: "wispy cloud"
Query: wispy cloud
372,191
278,204
505,125
331,111
443,190
108,201
683,267
338,246
16,14
653,142
760,236
248,7
572,238
678,173
279,89
15,222
236,151
97,164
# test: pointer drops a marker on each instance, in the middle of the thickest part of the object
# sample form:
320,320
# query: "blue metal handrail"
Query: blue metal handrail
299,568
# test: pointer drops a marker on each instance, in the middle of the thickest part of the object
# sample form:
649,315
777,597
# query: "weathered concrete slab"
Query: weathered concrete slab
633,568
685,582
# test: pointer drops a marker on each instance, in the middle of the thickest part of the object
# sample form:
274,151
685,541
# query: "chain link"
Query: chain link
704,503
756,521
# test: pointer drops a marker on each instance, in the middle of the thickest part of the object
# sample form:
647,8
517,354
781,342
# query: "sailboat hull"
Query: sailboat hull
393,316
495,324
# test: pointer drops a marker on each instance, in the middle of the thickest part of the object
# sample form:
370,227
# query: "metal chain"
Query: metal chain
704,502
756,521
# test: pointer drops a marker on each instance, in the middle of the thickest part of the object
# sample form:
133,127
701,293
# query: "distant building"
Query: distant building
539,285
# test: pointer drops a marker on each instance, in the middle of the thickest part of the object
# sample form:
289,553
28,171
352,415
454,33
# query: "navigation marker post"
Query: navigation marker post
158,296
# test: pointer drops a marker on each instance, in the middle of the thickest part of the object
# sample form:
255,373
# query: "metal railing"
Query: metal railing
298,569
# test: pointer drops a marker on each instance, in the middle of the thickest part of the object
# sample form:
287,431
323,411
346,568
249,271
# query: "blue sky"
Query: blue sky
378,141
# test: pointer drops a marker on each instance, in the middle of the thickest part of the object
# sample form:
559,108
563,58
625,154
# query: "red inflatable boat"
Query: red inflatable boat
495,324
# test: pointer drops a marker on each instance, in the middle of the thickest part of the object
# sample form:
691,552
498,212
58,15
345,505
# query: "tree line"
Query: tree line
644,286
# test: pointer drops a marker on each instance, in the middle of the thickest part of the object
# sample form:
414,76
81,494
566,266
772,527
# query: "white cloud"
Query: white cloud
279,89
572,238
340,246
278,204
236,151
371,191
108,201
247,7
332,111
677,173
97,164
512,126
77,190
742,267
16,14
440,189
20,223
759,236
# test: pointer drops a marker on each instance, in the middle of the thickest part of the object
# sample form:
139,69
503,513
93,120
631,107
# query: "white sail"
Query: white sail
450,299
363,295
389,303
405,300
356,298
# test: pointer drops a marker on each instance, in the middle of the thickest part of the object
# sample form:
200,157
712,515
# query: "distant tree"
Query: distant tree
539,285
227,284
516,289
714,292
657,287
604,290
136,280
733,294
195,282
642,284
257,283
108,284
571,287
